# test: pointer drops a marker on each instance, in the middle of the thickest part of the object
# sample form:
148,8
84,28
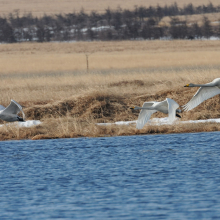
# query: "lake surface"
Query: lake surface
137,177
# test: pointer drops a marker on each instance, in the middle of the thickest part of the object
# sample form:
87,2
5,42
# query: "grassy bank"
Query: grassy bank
69,101
77,116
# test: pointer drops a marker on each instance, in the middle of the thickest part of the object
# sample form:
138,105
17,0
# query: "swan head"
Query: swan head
189,85
134,107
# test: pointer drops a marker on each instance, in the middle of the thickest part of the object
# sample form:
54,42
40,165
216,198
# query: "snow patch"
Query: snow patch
25,124
162,121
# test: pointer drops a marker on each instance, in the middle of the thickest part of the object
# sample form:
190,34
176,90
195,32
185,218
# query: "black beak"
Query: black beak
20,119
178,115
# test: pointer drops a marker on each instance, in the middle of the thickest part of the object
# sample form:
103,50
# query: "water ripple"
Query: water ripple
155,177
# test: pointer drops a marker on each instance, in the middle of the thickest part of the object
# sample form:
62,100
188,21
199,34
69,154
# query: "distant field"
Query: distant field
67,57
50,71
39,7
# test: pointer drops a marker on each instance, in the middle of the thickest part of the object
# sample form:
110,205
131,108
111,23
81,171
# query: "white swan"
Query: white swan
10,112
168,106
206,91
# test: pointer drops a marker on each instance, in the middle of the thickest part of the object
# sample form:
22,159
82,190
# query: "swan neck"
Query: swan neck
202,85
147,108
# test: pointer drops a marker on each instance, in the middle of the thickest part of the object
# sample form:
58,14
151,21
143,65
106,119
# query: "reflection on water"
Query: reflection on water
137,177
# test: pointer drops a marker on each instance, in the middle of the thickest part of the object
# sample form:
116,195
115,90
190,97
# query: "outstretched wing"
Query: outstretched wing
144,115
148,104
12,108
172,106
201,95
19,106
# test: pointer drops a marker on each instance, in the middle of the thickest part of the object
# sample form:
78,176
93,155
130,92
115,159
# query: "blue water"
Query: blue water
138,177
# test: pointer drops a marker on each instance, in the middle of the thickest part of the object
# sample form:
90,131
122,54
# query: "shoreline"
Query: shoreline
114,130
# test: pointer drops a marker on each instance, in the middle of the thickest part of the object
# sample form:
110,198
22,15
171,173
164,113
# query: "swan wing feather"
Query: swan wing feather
201,95
2,107
148,104
12,108
143,117
172,106
19,106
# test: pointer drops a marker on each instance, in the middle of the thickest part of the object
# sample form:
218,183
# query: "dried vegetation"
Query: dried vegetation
70,102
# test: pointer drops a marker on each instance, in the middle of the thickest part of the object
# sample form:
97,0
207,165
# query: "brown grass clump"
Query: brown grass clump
102,107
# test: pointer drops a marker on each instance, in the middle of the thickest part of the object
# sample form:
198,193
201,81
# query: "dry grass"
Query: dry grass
70,102
40,7
68,57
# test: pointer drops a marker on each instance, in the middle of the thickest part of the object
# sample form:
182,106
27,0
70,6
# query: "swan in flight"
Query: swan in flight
206,91
168,106
10,112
